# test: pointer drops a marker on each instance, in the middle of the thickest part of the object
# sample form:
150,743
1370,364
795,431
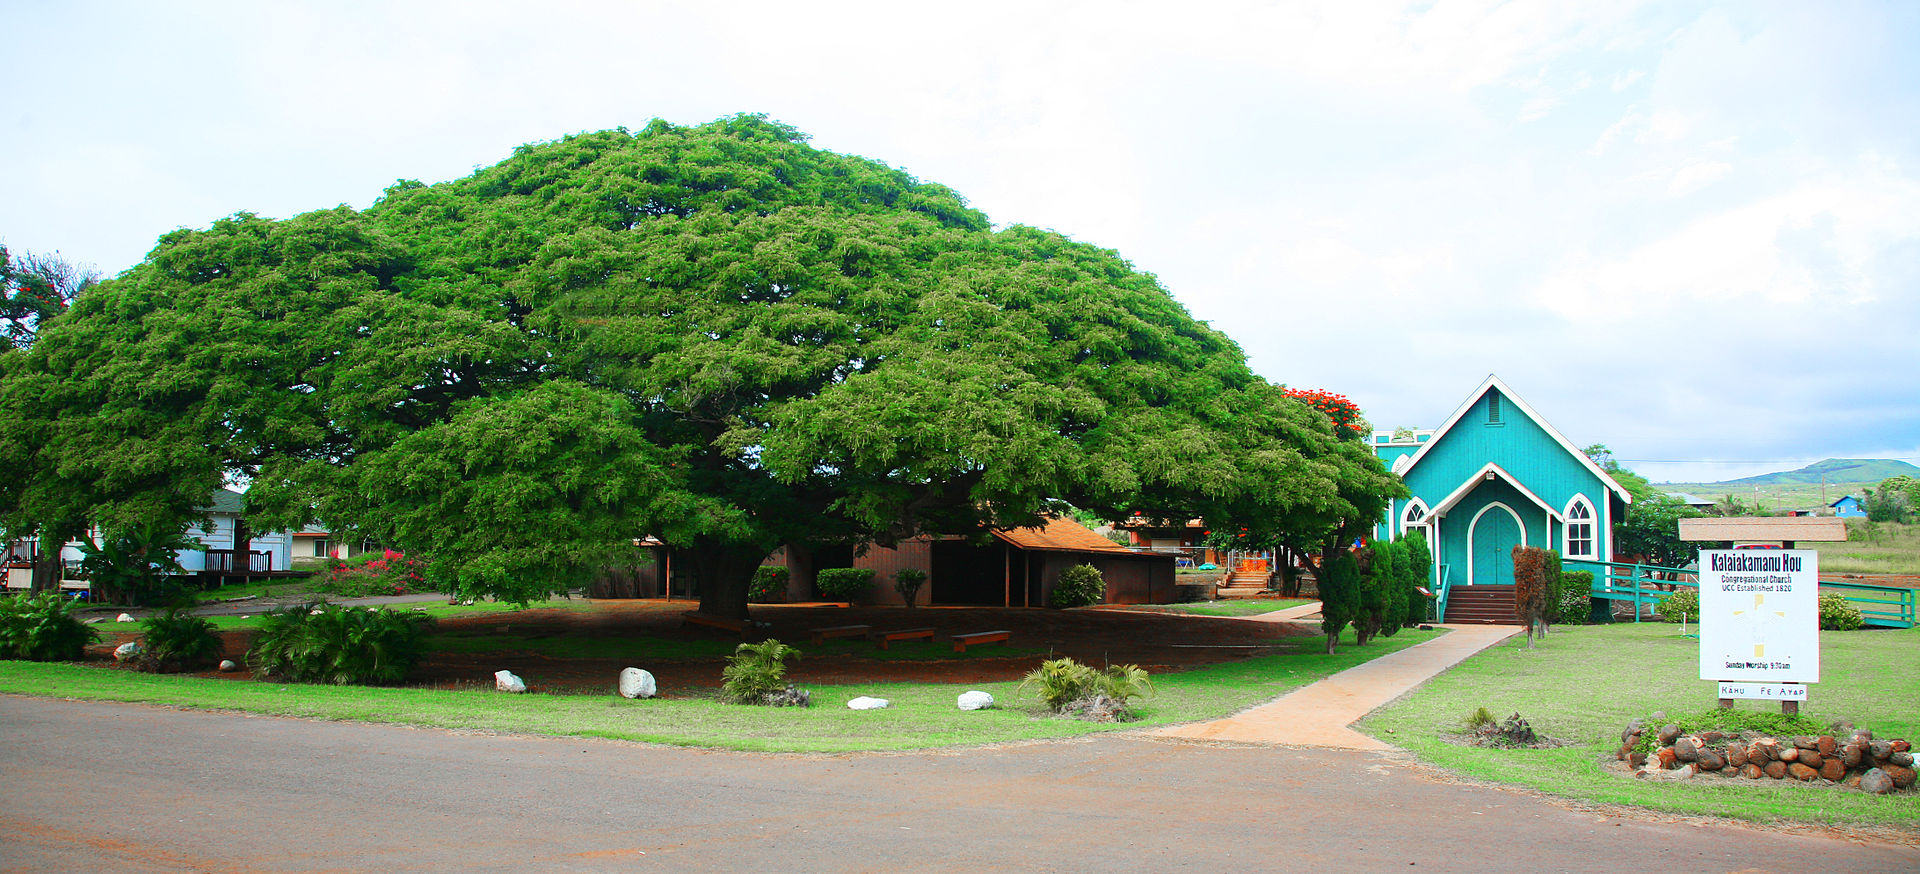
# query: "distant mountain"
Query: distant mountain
1836,470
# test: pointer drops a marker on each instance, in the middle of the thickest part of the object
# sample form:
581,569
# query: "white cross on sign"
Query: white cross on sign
1757,621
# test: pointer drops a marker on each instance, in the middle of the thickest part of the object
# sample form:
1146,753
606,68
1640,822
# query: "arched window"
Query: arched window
1415,515
1580,540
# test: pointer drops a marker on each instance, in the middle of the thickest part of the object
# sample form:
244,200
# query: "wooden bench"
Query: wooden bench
962,641
821,635
886,637
695,617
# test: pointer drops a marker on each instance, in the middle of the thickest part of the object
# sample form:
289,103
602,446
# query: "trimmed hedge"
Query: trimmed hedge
769,585
847,584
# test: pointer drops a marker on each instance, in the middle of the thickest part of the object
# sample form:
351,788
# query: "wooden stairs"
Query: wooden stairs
1242,584
1481,605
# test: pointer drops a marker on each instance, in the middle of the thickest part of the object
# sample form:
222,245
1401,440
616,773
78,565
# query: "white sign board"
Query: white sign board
1764,691
1760,615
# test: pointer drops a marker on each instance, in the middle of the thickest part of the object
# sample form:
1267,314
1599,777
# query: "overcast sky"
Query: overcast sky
1690,231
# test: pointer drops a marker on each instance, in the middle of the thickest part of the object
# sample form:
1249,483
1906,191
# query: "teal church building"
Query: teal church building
1495,476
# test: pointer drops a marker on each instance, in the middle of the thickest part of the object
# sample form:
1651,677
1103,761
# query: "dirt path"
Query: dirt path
105,787
1156,641
1318,715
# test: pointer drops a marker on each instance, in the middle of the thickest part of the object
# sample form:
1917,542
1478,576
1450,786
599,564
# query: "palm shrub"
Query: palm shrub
1066,686
769,584
844,583
327,643
1339,595
1838,615
907,581
1078,586
42,628
136,565
756,673
176,641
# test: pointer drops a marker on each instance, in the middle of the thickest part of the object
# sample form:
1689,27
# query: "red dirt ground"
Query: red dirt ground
1156,641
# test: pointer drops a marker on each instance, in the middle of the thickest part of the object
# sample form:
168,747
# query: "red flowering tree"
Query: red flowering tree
1344,413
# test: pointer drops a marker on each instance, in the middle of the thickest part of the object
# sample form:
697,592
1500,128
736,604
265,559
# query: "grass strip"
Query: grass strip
923,715
1583,684
1224,608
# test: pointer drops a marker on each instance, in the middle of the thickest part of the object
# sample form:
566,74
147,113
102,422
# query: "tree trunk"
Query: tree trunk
47,565
723,571
242,550
46,572
1289,575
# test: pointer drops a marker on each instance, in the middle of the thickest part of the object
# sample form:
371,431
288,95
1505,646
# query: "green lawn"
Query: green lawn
1583,684
1247,607
923,715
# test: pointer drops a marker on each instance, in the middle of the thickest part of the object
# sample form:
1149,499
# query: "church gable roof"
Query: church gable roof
1494,383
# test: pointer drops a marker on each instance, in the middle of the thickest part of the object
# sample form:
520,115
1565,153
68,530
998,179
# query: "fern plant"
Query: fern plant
42,628
177,641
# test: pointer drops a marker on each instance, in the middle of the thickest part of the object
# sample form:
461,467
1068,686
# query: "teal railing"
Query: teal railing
1440,597
1889,606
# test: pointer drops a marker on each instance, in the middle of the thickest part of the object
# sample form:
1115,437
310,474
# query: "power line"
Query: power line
1759,461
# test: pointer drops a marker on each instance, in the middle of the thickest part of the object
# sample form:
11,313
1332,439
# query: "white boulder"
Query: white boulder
636,683
505,681
228,666
865,703
975,700
125,617
126,651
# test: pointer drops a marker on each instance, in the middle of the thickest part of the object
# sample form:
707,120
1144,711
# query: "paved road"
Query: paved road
106,787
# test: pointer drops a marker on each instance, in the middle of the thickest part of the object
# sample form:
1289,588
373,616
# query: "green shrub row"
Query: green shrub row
1835,613
328,643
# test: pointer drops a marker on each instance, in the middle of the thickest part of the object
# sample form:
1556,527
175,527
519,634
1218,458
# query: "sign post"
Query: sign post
1760,623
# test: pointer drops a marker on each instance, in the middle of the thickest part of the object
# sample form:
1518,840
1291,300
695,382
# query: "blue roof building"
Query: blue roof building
1849,507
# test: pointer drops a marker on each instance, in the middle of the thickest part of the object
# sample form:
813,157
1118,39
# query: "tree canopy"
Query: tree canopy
718,335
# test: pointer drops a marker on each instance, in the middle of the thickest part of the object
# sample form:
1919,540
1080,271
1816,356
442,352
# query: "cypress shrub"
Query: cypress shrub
1419,571
1339,595
1395,583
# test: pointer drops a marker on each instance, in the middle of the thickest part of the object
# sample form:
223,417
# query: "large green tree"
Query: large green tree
717,334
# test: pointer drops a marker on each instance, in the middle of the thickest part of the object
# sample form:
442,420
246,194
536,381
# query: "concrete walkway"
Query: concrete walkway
1318,715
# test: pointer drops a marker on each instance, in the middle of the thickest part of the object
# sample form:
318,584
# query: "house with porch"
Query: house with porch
216,559
1494,476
